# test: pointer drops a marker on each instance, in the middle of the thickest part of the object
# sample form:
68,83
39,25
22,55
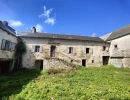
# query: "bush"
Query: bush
55,70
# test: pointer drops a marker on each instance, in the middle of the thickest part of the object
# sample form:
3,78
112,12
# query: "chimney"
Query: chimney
5,23
33,30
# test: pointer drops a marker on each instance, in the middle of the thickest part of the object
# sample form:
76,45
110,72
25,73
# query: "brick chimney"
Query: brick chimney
5,23
33,30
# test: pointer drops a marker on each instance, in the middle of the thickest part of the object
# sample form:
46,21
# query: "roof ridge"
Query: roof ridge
65,34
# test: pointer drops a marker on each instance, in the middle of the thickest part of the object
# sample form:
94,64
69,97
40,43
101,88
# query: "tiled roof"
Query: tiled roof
62,36
119,33
7,28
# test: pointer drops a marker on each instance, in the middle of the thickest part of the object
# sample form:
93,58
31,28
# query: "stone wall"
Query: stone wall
122,50
7,55
3,53
79,51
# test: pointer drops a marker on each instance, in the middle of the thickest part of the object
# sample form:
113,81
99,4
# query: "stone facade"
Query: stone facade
92,58
6,56
120,51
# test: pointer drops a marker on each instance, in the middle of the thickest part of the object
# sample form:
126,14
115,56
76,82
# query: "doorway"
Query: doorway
52,51
5,66
83,62
39,64
105,60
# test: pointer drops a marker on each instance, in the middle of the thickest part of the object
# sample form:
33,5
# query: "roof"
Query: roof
62,36
7,28
104,37
119,33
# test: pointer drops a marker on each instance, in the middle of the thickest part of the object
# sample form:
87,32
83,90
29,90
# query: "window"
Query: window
87,50
115,46
104,48
70,49
3,44
37,48
71,61
7,45
92,61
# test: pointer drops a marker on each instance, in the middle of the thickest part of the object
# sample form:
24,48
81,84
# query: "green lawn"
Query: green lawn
104,83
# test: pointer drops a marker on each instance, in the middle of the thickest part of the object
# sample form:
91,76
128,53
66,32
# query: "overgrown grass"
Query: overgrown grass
104,83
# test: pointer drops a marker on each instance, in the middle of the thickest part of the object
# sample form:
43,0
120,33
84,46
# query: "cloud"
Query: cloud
46,12
94,34
46,15
15,23
50,21
39,28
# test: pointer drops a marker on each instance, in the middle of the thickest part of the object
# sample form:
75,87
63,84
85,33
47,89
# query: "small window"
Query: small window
115,46
71,61
87,50
92,61
104,48
37,48
70,49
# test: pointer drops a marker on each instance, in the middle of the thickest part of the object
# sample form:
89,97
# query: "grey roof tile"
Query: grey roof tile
119,33
62,36
8,29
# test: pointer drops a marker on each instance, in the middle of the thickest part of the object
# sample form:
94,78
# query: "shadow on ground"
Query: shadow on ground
13,83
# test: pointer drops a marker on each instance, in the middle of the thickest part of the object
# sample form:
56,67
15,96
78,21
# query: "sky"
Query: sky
76,17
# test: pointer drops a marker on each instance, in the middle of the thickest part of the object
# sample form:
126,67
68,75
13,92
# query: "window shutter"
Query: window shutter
14,44
33,48
11,46
107,49
41,49
67,49
91,51
3,44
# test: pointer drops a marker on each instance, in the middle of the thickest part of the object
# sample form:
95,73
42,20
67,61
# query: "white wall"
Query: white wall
3,53
123,47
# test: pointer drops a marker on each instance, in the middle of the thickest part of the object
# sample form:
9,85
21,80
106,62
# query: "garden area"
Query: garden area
99,83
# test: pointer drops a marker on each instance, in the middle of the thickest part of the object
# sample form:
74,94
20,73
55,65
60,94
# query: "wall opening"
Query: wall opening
92,61
52,51
105,60
39,64
71,61
83,62
87,50
5,66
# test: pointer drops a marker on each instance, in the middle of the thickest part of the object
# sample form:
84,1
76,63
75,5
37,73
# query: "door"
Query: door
5,66
105,60
83,62
52,51
39,64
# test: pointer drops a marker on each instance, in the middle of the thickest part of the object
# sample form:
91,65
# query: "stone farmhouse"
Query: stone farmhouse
119,46
45,50
8,41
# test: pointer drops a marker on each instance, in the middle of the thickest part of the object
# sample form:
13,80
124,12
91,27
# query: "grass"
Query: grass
104,83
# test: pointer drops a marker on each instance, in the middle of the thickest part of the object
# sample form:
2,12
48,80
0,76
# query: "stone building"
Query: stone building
8,41
119,46
45,50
